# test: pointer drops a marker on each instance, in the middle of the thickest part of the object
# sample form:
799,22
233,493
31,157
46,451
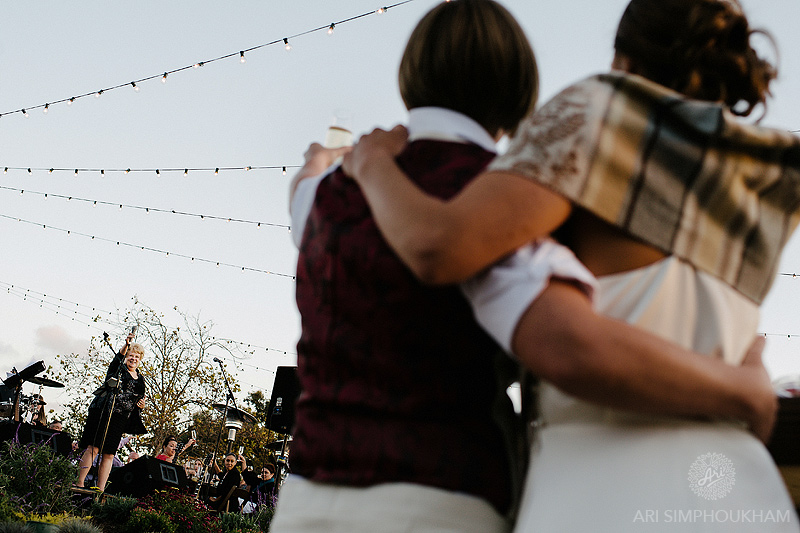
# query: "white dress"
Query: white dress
600,470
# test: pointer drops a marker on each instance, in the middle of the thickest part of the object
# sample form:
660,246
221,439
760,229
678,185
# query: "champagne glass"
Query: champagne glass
339,132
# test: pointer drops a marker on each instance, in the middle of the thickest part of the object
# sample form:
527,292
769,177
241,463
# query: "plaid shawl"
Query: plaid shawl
681,175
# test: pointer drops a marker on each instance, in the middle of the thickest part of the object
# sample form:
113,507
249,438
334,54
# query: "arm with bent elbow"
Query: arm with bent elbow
601,360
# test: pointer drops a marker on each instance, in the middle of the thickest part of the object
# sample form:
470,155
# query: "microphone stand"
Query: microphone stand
113,388
228,398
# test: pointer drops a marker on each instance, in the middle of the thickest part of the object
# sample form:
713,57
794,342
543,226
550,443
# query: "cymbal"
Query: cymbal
235,413
26,374
45,382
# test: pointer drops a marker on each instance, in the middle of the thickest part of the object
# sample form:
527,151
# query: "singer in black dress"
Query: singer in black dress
125,412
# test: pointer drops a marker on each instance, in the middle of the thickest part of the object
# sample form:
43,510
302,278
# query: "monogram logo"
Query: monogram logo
712,476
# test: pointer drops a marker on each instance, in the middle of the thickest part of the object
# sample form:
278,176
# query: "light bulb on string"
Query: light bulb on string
284,171
164,78
25,113
98,93
135,87
242,59
46,108
330,29
381,11
286,44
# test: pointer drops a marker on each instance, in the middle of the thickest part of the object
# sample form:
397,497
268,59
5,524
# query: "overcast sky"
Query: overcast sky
225,113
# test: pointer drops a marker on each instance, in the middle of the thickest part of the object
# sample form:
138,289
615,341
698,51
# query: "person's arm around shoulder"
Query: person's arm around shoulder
605,361
449,241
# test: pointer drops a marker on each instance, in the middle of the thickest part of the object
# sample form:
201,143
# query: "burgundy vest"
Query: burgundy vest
397,379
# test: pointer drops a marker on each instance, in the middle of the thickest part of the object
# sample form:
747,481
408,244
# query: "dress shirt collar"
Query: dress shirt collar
447,125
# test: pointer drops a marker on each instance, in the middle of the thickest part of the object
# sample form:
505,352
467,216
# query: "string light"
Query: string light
102,171
149,249
242,59
135,87
330,30
240,53
46,108
25,113
97,315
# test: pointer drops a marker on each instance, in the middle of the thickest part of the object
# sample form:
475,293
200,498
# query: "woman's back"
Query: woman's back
628,469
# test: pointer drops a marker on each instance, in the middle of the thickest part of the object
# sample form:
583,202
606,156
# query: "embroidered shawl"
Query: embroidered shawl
682,175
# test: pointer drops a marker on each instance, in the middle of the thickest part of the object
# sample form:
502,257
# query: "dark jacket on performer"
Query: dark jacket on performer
103,395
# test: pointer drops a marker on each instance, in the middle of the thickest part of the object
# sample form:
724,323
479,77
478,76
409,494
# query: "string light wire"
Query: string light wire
97,315
146,209
240,54
149,249
182,170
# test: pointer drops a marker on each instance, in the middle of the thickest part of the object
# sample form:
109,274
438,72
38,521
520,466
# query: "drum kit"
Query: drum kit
20,406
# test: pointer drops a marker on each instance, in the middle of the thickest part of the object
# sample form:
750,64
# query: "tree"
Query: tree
176,366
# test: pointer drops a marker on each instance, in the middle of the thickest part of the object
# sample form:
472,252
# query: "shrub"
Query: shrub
114,510
238,523
6,507
263,516
149,520
182,509
14,527
34,479
76,525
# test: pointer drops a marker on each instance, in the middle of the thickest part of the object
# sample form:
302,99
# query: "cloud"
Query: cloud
56,340
8,351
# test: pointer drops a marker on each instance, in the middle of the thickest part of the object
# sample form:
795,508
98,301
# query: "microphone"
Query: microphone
133,330
216,360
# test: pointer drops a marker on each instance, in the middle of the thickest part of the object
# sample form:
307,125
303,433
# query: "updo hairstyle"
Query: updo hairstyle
700,48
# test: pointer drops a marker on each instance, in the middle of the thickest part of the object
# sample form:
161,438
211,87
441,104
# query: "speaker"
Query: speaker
24,433
285,391
145,475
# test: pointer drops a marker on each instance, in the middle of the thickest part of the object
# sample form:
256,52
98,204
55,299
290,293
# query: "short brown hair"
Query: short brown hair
471,56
